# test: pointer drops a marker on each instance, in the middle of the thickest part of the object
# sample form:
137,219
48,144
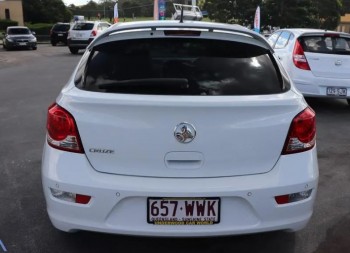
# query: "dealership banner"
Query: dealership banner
257,20
116,14
161,9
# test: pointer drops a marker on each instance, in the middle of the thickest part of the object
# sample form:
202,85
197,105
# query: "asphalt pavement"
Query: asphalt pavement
30,82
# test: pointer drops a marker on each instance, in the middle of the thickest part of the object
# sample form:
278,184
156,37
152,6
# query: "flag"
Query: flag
116,16
257,20
155,10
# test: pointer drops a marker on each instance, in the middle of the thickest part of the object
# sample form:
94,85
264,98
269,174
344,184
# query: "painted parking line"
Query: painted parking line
2,246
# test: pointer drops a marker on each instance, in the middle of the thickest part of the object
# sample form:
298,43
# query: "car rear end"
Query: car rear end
170,129
59,33
321,64
81,34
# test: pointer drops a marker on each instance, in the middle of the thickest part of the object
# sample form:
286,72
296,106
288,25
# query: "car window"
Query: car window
102,26
16,31
83,26
61,27
273,38
326,44
181,67
282,40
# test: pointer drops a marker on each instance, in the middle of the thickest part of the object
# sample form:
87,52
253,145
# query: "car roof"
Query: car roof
302,31
13,27
175,24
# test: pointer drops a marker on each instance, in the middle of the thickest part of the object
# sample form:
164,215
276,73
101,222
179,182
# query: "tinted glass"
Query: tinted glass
272,39
83,26
15,31
61,27
326,44
181,67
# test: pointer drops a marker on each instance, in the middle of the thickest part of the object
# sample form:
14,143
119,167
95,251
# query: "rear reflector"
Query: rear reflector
62,132
293,197
70,196
299,58
302,133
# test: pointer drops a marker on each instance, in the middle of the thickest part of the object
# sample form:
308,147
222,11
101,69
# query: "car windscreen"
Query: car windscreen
326,44
181,66
83,26
61,27
18,31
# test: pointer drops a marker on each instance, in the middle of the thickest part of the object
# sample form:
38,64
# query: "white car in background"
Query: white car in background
317,61
82,33
180,129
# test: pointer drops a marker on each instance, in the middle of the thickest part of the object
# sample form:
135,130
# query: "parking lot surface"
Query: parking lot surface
30,82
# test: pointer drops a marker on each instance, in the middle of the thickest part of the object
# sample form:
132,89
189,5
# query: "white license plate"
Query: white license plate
333,91
183,211
22,43
60,34
78,35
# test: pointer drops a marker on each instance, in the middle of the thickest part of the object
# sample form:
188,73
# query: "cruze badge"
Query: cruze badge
184,132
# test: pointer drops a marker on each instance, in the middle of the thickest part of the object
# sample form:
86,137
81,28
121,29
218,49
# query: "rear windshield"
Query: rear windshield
326,44
83,26
61,27
181,67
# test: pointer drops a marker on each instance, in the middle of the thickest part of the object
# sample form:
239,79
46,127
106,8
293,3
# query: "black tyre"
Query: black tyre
73,50
34,48
348,100
53,44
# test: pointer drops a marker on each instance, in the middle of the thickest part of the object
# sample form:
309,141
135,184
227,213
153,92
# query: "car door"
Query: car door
283,48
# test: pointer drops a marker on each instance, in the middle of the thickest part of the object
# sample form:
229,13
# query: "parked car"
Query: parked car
180,129
83,32
19,37
59,33
316,60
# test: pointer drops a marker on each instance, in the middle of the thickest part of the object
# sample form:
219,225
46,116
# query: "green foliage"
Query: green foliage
48,11
281,13
40,28
4,23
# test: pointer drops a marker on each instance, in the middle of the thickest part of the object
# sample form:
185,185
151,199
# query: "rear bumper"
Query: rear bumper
311,86
80,44
119,203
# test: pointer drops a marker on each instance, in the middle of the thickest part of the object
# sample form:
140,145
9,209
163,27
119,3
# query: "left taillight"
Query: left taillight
62,131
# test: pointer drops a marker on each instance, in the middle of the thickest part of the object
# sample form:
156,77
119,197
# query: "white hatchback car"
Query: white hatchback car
317,61
180,129
82,33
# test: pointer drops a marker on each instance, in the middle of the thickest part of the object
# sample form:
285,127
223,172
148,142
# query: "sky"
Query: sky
76,2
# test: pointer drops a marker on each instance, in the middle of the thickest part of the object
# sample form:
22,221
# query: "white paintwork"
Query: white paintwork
324,72
237,148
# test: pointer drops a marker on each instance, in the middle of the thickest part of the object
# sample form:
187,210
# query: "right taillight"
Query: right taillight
62,131
302,133
299,58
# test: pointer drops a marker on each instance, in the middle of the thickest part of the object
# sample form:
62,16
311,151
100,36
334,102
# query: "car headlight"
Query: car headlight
32,39
9,40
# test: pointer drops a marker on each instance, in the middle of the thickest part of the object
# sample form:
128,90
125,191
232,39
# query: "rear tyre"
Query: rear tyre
348,100
53,44
34,48
73,50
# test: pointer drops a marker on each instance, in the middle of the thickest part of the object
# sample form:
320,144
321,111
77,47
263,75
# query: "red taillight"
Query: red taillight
302,133
93,33
62,132
299,58
182,33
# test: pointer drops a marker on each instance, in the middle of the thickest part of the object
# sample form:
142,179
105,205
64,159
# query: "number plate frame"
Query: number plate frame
180,213
336,91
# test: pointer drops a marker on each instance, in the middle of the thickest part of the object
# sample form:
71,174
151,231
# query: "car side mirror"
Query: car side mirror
33,33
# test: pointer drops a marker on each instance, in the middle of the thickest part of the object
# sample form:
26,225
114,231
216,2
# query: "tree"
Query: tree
46,11
328,13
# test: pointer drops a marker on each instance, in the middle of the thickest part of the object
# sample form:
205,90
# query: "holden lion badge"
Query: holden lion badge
184,132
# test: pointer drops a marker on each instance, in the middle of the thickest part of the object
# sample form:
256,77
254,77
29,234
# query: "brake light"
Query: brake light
299,58
332,35
302,133
93,33
182,33
62,131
